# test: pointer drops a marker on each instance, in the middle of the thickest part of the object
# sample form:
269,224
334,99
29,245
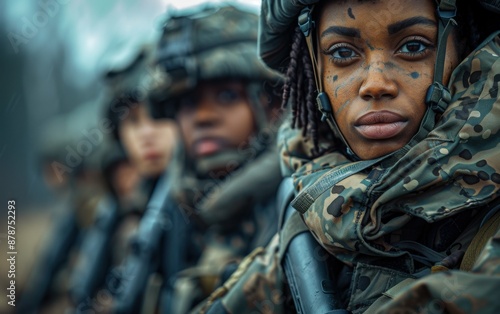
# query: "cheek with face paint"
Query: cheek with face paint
403,96
342,89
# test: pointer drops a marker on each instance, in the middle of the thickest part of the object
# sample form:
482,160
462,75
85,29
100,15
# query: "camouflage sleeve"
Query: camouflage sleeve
455,291
257,287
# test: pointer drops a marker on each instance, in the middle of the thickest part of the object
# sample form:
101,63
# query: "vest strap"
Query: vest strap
293,226
485,232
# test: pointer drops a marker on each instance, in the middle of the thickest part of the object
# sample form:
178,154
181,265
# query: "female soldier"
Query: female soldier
398,181
138,155
218,91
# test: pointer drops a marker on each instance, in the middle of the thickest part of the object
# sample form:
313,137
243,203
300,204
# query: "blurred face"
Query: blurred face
377,62
125,179
216,117
148,142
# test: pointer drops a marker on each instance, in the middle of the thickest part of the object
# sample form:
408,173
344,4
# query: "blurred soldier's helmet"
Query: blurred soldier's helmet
213,43
126,80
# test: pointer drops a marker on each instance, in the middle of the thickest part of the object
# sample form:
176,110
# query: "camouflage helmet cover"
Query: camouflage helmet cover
214,43
126,83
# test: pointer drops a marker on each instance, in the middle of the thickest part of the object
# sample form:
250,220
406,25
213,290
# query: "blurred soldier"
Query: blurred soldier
138,155
70,149
226,180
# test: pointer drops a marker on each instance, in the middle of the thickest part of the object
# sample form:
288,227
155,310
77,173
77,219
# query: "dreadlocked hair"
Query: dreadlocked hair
299,90
469,31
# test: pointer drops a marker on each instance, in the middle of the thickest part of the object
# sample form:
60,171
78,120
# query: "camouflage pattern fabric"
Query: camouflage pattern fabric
260,289
232,212
429,197
235,214
455,291
215,43
230,217
457,162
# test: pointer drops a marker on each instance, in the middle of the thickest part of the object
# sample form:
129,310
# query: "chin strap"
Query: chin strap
438,96
306,24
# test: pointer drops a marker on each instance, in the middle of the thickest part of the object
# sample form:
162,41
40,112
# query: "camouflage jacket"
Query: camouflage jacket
400,218
227,218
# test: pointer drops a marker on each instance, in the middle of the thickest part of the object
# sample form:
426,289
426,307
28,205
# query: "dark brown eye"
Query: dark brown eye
343,52
228,96
413,47
342,55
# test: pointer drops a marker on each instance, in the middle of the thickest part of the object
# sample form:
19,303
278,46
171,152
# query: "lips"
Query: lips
209,146
380,125
152,155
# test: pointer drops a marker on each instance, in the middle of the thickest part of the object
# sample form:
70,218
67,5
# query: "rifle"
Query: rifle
52,259
94,256
156,229
173,258
309,277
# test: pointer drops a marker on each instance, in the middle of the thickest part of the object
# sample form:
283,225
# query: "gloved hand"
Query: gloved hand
278,19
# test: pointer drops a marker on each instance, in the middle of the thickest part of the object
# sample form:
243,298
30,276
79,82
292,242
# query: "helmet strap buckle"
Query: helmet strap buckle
446,12
306,22
306,25
324,106
438,97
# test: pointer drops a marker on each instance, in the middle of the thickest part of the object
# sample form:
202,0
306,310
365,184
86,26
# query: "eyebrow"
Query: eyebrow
343,31
399,26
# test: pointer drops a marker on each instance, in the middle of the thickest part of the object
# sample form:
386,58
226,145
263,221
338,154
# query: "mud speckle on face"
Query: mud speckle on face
349,12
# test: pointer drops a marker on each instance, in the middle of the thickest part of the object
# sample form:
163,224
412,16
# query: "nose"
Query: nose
147,128
206,113
379,82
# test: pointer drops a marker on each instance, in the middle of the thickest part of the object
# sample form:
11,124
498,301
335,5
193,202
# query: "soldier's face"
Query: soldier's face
216,117
377,61
148,142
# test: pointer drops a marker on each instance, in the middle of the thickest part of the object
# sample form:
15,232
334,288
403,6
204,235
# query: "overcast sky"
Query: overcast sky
90,30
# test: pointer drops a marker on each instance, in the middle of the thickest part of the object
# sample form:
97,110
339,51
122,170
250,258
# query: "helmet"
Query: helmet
126,83
213,43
